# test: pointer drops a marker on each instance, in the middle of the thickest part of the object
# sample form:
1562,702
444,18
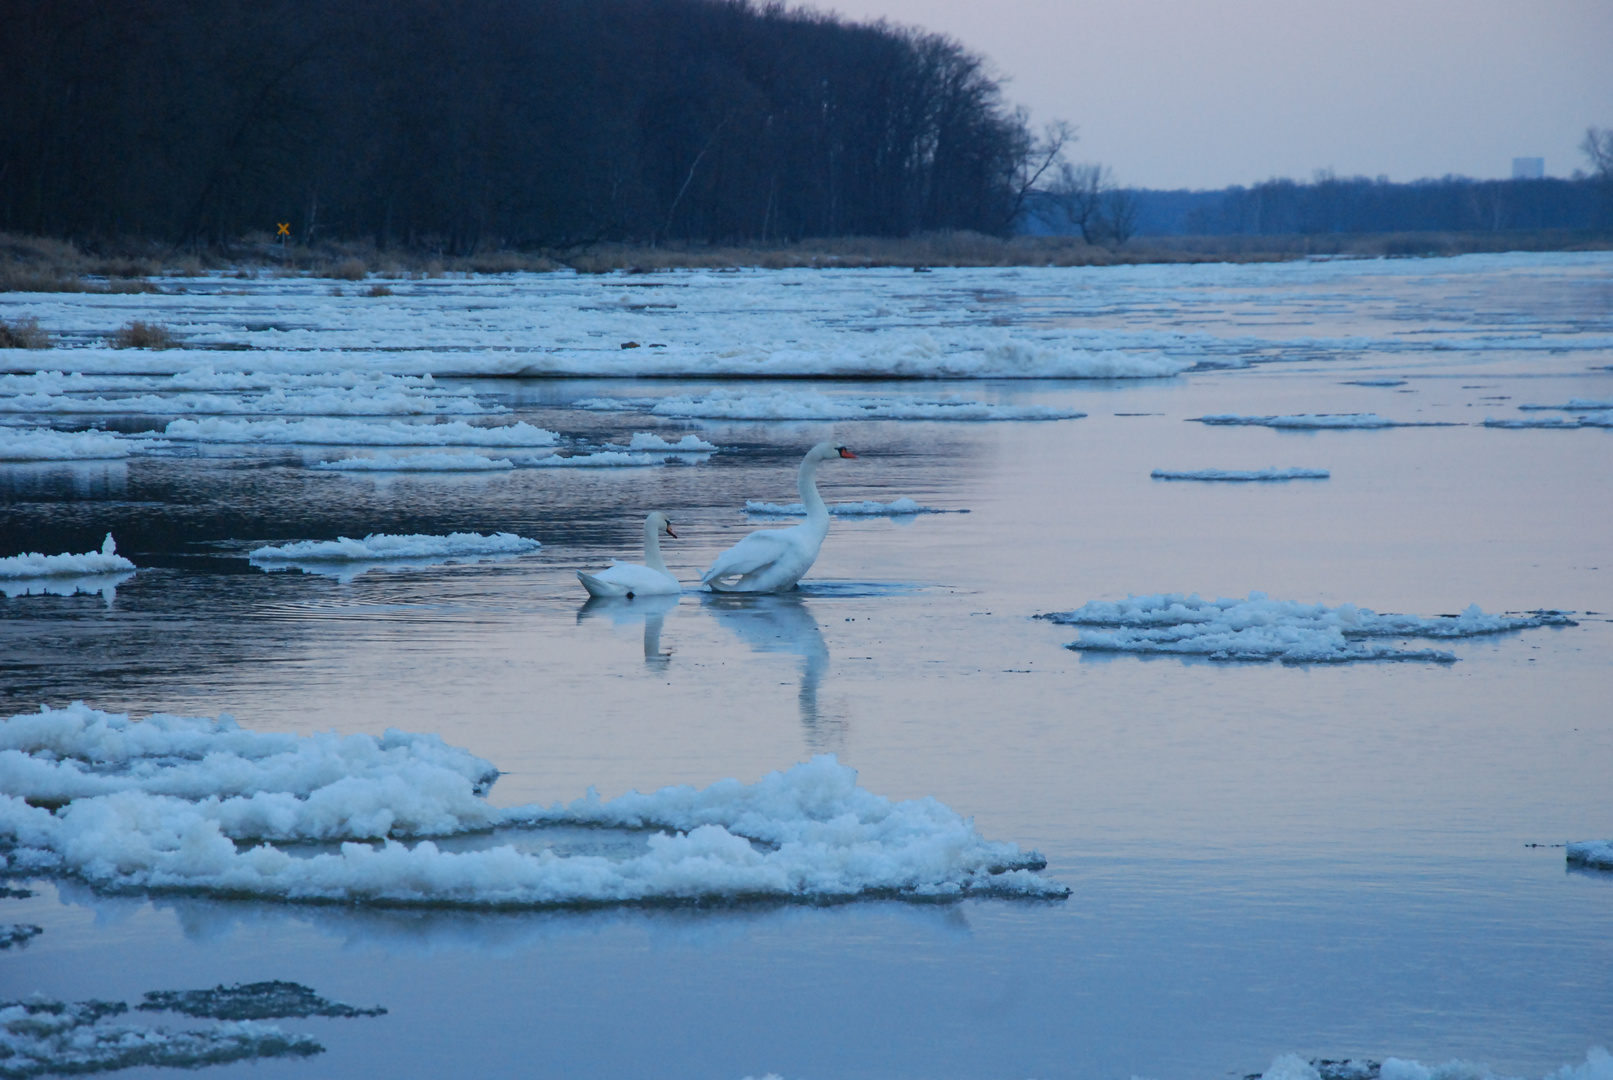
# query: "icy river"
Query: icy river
1275,820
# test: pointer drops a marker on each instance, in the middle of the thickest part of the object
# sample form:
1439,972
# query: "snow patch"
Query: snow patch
34,565
1263,629
1594,853
199,804
1237,474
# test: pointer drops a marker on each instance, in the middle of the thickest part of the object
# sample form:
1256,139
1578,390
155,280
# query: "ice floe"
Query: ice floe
337,432
417,463
43,444
812,405
251,1001
866,508
34,565
361,401
1260,628
202,805
1595,853
689,444
1240,474
1375,382
381,546
41,1037
1598,1065
1309,421
1573,405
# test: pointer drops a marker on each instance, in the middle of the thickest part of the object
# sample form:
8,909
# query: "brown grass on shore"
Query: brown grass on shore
144,335
34,264
23,334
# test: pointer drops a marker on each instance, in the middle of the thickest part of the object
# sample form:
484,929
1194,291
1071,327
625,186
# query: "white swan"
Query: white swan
773,560
632,579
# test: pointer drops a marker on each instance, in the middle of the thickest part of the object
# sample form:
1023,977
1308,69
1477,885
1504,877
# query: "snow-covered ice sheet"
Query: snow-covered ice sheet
1318,421
34,565
199,805
1596,853
1260,628
417,463
811,405
1572,405
866,508
325,432
380,546
1240,474
42,444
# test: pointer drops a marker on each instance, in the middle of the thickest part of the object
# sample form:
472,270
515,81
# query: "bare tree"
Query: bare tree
1042,154
1598,146
1118,216
1077,196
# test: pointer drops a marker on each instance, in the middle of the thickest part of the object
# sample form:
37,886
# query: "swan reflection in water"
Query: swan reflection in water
774,623
650,610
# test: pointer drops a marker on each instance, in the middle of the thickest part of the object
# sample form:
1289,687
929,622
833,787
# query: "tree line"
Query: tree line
459,124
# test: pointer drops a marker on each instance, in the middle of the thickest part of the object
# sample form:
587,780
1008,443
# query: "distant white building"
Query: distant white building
1528,168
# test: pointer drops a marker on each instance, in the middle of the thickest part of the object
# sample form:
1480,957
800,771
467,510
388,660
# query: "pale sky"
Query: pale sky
1178,93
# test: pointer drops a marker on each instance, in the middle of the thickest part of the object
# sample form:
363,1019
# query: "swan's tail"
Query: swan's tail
596,587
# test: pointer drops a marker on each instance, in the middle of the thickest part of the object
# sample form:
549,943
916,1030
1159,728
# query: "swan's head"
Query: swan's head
826,451
662,525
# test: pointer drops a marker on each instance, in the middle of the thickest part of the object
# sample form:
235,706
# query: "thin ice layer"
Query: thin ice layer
328,432
162,804
418,463
32,564
41,444
1317,421
866,508
1260,628
377,546
811,405
1240,474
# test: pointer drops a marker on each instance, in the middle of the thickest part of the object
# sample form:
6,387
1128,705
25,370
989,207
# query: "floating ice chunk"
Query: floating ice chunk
379,546
1319,421
418,463
604,459
689,444
1263,629
326,432
1017,358
42,444
866,508
811,405
1597,853
40,1037
34,565
162,803
1375,382
1236,474
1597,1066
1291,1067
363,401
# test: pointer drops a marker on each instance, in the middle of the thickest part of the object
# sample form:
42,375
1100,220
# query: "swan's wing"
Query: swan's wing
755,552
637,578
596,586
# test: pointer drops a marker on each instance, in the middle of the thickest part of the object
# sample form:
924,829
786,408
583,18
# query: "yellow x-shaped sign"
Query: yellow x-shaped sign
285,228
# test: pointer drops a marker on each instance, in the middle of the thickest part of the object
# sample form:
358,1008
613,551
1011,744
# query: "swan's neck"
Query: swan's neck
652,547
806,482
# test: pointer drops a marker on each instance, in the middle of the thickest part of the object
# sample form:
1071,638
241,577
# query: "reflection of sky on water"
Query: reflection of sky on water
785,624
